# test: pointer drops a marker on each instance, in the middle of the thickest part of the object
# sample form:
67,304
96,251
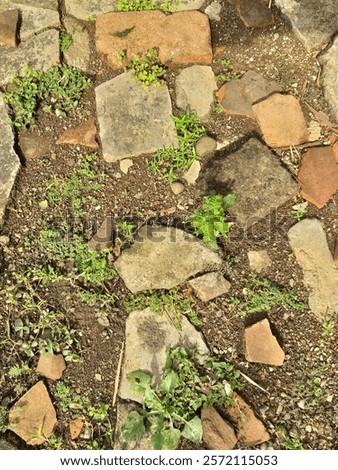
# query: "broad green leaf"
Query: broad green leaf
193,430
139,381
169,382
167,439
134,427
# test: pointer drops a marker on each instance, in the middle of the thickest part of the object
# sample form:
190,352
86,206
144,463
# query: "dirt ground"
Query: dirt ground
299,401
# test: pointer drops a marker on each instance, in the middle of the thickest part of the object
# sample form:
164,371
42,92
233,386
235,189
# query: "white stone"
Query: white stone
214,11
125,165
192,174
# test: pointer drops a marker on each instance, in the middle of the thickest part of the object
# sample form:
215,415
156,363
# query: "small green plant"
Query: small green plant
172,408
292,442
210,221
147,70
126,230
219,108
74,188
99,412
228,72
328,328
91,18
66,40
171,302
17,371
121,55
299,210
262,295
62,86
169,162
146,5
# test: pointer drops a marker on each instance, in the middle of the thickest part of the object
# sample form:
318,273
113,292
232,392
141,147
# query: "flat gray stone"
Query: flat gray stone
209,286
308,242
164,257
195,87
185,5
41,52
142,125
83,9
205,145
255,176
9,161
259,260
214,11
48,4
78,54
237,96
314,22
36,20
329,62
148,338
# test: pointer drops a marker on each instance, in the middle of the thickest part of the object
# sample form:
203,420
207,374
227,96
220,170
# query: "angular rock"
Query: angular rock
75,427
78,54
255,176
255,14
9,20
51,366
36,20
103,237
83,9
259,260
309,245
174,36
217,433
84,134
125,165
29,53
9,161
142,443
329,62
142,125
261,345
250,430
318,175
184,5
177,187
281,120
209,286
237,96
33,416
195,87
314,26
205,145
335,151
164,257
192,174
214,11
315,131
33,145
148,338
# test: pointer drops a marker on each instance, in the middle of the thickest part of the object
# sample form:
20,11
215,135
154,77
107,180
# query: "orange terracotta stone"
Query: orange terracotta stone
75,427
218,434
84,134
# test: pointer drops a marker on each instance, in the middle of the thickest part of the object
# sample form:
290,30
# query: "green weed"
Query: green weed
17,370
125,230
147,70
146,5
66,40
299,210
292,442
228,72
169,162
60,90
172,408
328,328
210,221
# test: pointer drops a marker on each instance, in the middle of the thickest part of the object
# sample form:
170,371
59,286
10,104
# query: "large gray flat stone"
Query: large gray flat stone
164,257
255,176
133,120
48,4
78,54
308,242
148,337
40,52
9,161
35,20
329,61
313,21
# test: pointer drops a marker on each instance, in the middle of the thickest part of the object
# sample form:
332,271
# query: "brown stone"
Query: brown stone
84,134
33,416
237,96
51,366
318,175
250,430
335,151
181,38
218,434
281,120
261,346
33,145
255,13
103,237
75,427
9,20
335,256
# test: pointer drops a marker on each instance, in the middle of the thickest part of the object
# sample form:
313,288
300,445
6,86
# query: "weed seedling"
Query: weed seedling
148,70
299,210
210,221
146,5
66,40
228,73
169,162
